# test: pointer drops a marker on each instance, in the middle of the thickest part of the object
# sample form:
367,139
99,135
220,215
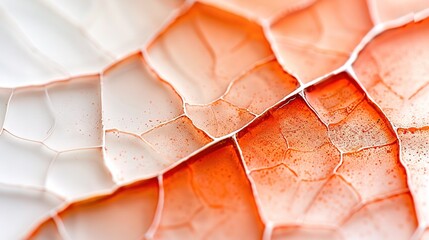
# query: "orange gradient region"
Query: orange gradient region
261,9
230,58
209,197
335,176
385,10
394,68
214,119
316,40
127,213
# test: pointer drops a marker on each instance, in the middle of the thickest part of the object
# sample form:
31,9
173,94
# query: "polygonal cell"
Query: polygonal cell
224,47
304,163
260,9
219,118
127,213
389,218
209,197
293,135
385,10
19,64
224,69
289,156
375,172
332,204
321,36
263,144
301,233
415,155
335,99
129,157
281,180
23,162
56,38
176,139
118,27
394,68
77,109
48,230
261,87
78,173
134,100
353,121
22,208
296,120
364,127
284,197
30,114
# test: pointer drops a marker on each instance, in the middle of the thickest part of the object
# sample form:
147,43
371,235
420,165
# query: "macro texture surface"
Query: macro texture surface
214,119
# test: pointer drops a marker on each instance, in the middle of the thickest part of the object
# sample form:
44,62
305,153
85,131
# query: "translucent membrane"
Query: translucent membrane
305,176
127,213
23,207
224,46
55,37
287,172
209,197
136,101
117,27
173,119
394,69
321,36
51,143
74,174
43,41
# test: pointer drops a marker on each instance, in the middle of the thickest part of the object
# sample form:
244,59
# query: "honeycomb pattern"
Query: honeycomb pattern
204,119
